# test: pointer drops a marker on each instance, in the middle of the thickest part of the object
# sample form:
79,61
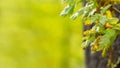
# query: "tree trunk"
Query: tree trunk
95,60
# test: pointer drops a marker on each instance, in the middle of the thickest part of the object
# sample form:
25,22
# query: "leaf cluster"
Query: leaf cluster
100,15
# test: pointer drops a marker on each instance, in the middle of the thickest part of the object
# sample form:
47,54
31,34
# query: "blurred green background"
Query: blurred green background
33,35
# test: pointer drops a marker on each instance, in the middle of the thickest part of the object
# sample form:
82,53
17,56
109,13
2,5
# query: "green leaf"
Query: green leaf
113,20
94,17
107,39
67,10
105,8
78,13
103,20
92,12
87,42
86,11
100,29
105,42
78,1
116,26
67,1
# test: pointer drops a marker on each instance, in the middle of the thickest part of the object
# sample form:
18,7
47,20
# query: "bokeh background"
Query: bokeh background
33,35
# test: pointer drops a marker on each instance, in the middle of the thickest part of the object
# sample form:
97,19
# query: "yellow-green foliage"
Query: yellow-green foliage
33,35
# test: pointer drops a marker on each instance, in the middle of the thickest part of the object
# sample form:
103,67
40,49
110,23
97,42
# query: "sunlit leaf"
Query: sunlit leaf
103,20
104,9
67,10
87,42
107,39
108,14
113,20
77,14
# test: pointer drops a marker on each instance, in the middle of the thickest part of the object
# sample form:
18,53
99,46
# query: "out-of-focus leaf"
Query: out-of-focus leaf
105,8
104,52
78,1
107,39
105,42
92,12
87,42
94,18
65,1
89,9
100,29
78,13
116,26
109,14
103,20
85,11
95,44
69,1
67,10
88,22
113,20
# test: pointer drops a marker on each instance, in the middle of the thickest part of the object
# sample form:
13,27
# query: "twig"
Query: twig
116,9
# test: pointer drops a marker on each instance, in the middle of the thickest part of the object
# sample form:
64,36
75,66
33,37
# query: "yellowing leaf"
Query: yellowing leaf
107,25
109,14
95,44
87,22
94,48
85,38
86,32
104,52
114,21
